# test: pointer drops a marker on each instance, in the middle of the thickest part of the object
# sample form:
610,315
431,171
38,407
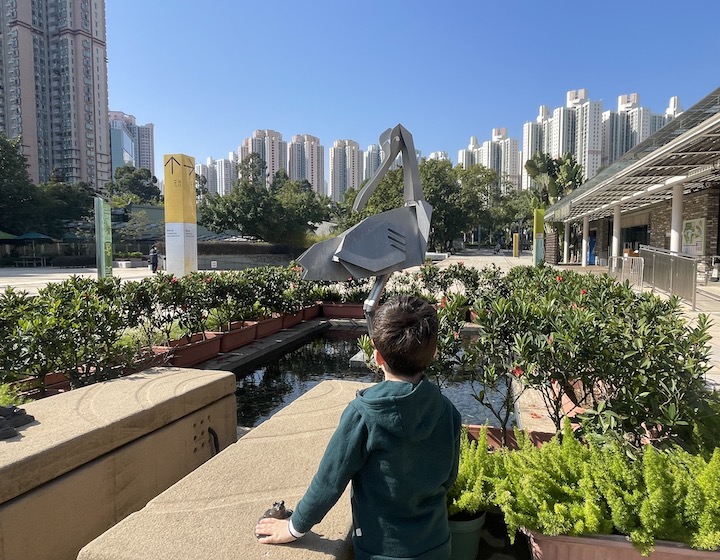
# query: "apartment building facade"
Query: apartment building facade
54,92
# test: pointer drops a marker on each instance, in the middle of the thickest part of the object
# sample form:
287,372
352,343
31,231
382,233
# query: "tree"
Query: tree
301,210
138,227
201,189
60,203
556,177
480,195
18,194
442,190
285,212
130,180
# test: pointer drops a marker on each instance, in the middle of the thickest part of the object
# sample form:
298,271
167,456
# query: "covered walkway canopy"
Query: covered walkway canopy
685,152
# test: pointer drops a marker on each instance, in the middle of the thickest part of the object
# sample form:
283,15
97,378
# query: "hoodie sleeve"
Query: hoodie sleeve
345,454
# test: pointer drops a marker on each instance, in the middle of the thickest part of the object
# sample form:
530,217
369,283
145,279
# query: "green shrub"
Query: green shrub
568,488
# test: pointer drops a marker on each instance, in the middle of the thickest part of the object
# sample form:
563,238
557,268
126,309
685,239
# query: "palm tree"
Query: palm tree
556,177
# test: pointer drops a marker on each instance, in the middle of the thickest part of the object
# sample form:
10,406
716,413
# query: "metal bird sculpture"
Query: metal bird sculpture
383,243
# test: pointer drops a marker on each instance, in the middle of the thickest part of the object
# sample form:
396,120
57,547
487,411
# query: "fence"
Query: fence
627,268
673,273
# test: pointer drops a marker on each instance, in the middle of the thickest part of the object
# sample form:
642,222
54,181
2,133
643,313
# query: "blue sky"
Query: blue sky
209,74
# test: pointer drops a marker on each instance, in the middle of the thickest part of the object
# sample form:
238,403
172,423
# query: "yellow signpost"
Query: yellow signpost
180,214
538,237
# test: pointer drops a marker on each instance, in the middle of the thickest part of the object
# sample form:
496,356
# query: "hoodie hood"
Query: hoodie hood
403,409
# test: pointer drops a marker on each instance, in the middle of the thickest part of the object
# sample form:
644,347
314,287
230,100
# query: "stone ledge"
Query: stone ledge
79,426
212,511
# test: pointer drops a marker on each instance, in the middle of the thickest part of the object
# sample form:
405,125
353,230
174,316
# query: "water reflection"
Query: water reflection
264,390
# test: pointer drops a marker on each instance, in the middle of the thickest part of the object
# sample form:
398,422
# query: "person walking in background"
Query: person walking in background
153,258
398,442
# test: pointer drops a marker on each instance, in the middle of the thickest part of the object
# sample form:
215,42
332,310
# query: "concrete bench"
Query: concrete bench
211,513
124,264
96,454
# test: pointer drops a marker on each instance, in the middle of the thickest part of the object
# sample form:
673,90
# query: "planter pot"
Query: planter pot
240,334
290,320
494,436
193,352
602,547
466,537
334,310
311,312
267,327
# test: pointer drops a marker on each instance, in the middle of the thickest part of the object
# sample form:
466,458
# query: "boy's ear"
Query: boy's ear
379,360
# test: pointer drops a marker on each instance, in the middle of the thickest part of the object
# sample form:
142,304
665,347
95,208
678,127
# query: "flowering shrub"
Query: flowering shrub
629,360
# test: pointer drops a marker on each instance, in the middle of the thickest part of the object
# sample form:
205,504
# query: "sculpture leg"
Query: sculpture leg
373,299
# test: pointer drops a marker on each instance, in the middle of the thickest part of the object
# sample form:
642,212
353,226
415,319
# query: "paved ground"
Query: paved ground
31,279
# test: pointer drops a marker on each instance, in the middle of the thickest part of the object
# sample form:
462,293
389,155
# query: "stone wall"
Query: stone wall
97,454
702,204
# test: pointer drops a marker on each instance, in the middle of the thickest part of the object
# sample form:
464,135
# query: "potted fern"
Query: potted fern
472,494
573,499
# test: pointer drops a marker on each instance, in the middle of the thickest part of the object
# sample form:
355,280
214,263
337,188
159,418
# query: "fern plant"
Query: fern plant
474,488
568,488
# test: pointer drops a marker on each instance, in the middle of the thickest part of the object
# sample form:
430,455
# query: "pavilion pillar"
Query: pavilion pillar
676,220
617,232
585,240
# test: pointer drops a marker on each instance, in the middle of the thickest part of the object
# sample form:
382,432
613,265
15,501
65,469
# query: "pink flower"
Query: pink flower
558,278
173,280
517,372
583,292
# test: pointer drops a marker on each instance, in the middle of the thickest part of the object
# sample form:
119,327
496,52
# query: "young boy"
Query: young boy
398,441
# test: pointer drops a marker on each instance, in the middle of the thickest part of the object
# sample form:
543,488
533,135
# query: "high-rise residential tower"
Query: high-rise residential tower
534,140
270,146
226,176
142,136
499,154
346,168
594,137
306,161
53,87
373,158
630,125
439,155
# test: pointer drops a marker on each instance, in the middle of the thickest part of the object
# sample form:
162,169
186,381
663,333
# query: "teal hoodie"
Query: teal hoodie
399,444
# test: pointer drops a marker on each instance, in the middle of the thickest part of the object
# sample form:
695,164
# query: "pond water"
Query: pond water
264,389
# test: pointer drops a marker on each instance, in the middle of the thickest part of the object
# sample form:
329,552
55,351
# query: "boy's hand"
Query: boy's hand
276,531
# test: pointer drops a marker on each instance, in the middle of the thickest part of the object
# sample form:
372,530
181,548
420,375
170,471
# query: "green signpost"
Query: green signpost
103,238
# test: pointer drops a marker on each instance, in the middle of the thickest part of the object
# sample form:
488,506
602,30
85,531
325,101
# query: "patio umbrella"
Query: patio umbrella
7,236
34,237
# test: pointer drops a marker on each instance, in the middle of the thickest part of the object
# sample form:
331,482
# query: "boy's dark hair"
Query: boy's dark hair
405,332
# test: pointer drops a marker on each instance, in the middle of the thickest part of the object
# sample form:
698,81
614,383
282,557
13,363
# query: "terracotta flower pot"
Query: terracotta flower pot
194,352
333,310
240,334
601,547
494,436
267,327
311,312
289,321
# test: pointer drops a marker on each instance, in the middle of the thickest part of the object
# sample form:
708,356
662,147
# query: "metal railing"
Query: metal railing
627,268
672,272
